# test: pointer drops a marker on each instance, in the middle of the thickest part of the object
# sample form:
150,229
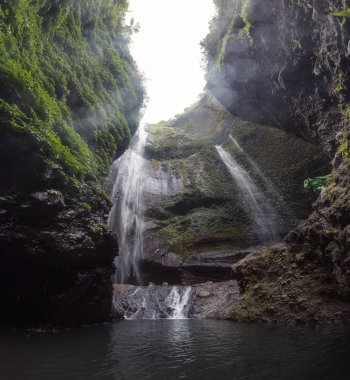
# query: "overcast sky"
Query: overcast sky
168,52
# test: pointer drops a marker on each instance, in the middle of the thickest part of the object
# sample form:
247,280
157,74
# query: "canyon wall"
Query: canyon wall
70,100
197,220
286,64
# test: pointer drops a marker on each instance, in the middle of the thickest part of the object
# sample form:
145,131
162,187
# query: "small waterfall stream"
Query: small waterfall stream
178,303
152,302
126,216
268,184
257,205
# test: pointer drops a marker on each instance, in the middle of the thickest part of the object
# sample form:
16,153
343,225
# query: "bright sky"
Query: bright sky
168,52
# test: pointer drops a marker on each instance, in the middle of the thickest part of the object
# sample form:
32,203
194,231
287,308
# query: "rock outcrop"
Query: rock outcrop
279,285
286,64
70,98
196,224
283,64
56,261
205,300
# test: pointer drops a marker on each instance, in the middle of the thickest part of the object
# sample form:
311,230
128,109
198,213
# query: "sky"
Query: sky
167,50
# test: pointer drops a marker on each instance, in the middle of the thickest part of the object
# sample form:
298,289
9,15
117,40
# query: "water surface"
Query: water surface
176,349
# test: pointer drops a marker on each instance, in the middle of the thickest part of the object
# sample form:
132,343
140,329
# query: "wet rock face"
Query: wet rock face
54,270
284,285
272,289
284,64
196,223
205,300
214,300
325,234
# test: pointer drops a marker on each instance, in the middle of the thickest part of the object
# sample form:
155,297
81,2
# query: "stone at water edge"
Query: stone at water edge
150,302
204,294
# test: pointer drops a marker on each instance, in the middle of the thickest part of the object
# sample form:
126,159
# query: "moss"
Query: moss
155,164
208,213
237,25
70,94
171,142
97,228
204,229
346,113
342,13
344,148
221,55
86,207
245,31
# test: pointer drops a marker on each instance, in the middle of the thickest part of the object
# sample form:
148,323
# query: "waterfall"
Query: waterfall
236,143
153,302
255,202
178,303
126,216
269,186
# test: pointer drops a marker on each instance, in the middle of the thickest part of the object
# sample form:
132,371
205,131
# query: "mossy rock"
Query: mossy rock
208,213
70,95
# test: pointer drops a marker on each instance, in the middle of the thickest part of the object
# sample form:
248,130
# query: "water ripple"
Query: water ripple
176,349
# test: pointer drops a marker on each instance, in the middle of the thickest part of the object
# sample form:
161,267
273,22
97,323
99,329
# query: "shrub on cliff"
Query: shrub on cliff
70,93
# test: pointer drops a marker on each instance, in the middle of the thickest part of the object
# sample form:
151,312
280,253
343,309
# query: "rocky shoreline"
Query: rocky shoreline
271,286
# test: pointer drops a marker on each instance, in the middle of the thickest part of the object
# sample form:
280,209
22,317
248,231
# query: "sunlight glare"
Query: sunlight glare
167,50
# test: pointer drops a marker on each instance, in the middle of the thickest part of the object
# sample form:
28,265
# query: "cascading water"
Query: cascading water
269,186
258,206
236,143
126,217
153,302
178,303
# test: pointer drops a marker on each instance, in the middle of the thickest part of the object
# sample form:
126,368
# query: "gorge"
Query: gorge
117,205
195,198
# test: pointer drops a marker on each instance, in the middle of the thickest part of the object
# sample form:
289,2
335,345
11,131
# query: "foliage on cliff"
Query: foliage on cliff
205,211
70,93
292,72
70,98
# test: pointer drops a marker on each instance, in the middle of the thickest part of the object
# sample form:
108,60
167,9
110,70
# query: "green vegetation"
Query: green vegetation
343,13
203,229
247,24
221,55
230,22
206,213
70,93
344,147
316,184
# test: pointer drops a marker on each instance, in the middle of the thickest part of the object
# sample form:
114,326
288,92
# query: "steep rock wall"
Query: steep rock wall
282,63
195,213
69,101
286,64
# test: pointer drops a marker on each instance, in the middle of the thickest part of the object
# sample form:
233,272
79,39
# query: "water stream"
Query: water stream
268,184
255,202
126,216
150,302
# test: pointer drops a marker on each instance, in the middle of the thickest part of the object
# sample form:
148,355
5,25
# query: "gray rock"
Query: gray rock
204,294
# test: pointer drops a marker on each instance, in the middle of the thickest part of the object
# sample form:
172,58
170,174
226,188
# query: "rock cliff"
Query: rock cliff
197,223
69,101
286,64
70,98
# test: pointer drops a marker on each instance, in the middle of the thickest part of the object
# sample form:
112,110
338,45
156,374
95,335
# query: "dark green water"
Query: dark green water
176,349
